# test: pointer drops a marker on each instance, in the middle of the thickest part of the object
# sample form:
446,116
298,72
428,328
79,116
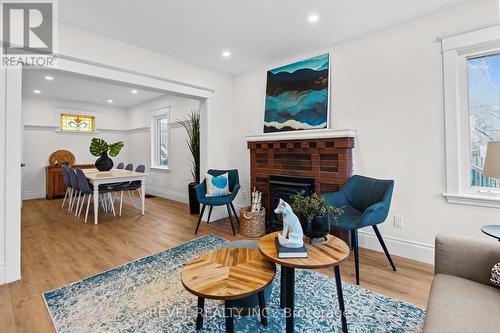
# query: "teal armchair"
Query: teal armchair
366,202
234,187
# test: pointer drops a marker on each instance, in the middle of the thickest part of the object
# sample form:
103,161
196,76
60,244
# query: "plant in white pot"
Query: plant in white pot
192,126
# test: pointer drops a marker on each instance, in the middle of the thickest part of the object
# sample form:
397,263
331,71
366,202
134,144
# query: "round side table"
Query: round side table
228,274
327,254
491,230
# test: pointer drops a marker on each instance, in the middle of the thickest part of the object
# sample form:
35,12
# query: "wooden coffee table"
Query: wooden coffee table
228,274
329,253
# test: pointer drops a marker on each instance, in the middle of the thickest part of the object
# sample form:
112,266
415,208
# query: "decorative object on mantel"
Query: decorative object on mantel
252,223
314,214
60,157
297,96
192,126
99,147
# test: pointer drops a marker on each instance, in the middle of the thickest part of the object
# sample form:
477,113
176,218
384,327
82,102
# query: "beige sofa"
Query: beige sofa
461,299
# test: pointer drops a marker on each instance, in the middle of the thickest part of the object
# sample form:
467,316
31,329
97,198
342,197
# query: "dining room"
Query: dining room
103,147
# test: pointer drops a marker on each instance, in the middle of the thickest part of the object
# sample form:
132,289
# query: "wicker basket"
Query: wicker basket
252,224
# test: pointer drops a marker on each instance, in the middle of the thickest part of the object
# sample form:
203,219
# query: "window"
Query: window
471,64
160,140
76,123
484,113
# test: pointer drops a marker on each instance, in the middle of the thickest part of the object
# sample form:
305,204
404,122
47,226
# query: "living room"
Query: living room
410,96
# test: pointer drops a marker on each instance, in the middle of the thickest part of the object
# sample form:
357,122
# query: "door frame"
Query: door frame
14,132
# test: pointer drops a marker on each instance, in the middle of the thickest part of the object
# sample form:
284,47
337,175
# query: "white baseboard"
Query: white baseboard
33,194
2,273
399,247
167,194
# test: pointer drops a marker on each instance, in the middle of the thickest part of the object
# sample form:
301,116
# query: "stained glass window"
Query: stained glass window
77,123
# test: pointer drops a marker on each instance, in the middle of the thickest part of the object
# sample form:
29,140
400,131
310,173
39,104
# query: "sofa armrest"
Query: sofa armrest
466,257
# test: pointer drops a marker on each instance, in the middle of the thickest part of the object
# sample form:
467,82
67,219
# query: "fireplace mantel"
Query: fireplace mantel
303,135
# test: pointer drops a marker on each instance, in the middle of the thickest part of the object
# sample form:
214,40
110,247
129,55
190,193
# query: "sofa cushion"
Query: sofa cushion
460,305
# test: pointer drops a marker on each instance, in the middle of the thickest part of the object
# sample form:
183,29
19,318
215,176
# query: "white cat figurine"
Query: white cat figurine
293,236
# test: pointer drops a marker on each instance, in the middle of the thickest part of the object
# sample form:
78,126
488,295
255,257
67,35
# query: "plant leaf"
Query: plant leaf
98,146
115,148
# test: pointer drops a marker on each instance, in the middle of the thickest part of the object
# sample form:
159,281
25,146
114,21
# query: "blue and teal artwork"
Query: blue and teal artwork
297,96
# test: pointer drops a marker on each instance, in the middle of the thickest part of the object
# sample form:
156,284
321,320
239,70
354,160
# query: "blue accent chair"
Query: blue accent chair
234,186
366,202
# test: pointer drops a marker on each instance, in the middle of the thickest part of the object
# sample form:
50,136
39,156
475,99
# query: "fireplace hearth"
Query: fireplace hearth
284,187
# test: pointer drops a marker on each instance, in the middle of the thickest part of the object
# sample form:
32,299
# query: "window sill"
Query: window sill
482,200
160,168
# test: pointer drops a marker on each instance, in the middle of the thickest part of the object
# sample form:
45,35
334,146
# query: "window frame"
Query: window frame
62,114
163,113
457,50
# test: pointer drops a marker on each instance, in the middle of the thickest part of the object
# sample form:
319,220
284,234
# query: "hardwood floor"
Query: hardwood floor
58,249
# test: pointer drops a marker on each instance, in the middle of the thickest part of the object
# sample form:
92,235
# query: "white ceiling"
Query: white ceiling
80,88
257,32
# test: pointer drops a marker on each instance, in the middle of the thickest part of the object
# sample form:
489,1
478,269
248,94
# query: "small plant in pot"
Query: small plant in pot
99,147
314,214
192,126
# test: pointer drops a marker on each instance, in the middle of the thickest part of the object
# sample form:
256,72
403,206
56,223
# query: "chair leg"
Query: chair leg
88,205
209,214
355,246
230,219
199,219
112,203
81,206
65,195
381,241
235,215
78,203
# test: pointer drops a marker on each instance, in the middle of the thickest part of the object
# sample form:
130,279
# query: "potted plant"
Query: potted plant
99,147
192,126
314,214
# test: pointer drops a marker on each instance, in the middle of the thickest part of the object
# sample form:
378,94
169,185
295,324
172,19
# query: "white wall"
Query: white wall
74,42
40,139
171,184
389,86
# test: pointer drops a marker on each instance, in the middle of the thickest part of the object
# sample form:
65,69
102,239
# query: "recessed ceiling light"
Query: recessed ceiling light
36,91
133,91
313,18
49,78
110,101
226,54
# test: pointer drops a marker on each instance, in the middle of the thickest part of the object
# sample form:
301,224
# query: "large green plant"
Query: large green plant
308,207
99,146
192,126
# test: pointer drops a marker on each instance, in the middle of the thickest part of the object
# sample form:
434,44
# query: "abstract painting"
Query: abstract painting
297,96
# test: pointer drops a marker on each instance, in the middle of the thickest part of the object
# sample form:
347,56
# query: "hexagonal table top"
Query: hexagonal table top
228,274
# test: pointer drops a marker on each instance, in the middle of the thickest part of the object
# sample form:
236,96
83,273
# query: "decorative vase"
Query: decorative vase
194,205
319,227
104,163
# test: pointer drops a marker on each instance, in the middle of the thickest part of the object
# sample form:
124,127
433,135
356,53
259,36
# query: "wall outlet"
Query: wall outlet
398,221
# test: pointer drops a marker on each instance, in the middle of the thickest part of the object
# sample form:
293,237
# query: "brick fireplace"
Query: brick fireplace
323,156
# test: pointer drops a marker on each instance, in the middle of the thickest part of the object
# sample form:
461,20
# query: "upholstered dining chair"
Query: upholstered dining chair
120,165
87,190
234,186
366,202
130,187
75,188
67,184
129,167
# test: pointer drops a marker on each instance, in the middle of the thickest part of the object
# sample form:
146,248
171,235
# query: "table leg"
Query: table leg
340,296
262,308
96,203
290,295
143,195
200,310
283,288
229,317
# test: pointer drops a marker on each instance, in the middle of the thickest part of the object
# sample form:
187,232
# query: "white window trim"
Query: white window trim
456,50
155,115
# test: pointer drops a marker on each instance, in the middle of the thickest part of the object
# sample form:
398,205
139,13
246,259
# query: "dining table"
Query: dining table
113,176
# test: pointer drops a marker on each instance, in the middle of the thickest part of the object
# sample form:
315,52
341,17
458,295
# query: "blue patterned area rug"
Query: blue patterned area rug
146,295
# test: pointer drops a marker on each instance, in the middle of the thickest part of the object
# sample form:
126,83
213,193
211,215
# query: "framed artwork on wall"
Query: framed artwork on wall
297,96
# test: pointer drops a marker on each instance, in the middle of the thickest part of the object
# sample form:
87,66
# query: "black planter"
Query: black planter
104,163
194,205
318,228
